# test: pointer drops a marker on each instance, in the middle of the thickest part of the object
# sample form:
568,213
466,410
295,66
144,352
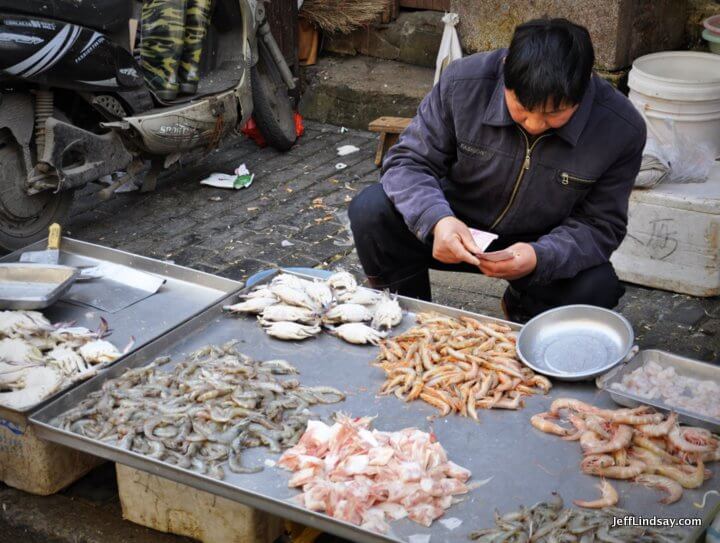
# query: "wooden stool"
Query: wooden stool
390,129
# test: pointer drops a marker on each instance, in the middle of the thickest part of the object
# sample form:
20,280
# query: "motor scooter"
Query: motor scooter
75,107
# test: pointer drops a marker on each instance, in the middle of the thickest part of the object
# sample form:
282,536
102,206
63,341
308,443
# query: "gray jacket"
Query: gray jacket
567,193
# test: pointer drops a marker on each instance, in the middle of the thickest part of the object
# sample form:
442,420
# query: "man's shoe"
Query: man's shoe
511,306
197,20
161,44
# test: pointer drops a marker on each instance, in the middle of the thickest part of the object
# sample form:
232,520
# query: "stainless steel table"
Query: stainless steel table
525,465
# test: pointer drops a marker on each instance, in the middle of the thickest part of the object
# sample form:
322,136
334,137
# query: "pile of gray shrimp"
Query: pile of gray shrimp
202,412
552,522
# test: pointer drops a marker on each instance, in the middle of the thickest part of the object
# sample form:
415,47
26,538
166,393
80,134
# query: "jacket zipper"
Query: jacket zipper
526,166
565,179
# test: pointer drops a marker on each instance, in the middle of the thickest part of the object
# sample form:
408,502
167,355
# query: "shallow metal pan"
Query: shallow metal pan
184,294
575,342
684,366
33,286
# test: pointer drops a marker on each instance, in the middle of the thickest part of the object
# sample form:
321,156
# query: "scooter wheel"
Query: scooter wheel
24,219
272,108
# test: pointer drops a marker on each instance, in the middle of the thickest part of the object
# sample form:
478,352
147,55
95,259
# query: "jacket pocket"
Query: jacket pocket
475,152
574,182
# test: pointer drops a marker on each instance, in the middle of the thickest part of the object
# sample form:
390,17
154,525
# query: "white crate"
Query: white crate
175,508
34,465
673,239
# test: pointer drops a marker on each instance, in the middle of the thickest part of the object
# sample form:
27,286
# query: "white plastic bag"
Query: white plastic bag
673,159
690,161
449,44
654,168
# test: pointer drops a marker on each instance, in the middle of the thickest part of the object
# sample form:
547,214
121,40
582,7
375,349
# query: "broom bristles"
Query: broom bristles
342,15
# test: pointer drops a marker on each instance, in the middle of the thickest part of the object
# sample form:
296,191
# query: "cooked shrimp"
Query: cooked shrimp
598,425
698,436
633,419
651,446
594,461
542,422
437,403
644,455
678,440
621,438
542,382
579,423
572,404
632,470
687,480
621,457
713,456
658,430
672,488
589,440
609,497
511,401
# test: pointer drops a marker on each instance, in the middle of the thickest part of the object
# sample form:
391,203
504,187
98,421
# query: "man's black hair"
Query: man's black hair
549,59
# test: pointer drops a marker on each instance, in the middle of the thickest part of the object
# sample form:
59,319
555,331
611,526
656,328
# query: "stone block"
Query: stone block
353,91
413,38
622,30
167,506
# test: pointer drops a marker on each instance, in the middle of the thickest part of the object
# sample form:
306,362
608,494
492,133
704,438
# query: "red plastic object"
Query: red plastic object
299,128
251,130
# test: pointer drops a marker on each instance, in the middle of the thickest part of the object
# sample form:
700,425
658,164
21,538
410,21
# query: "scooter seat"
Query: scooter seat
104,15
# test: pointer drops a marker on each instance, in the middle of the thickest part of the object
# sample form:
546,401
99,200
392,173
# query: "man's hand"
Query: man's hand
523,264
453,242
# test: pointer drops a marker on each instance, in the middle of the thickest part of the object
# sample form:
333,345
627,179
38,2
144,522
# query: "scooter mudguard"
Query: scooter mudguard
64,55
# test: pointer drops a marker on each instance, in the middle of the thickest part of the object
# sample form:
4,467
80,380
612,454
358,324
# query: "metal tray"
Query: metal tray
33,286
184,294
685,366
525,465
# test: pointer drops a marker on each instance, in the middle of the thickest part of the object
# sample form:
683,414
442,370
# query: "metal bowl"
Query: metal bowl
575,342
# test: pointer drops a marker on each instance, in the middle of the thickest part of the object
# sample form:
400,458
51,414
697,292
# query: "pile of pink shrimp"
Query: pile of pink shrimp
639,444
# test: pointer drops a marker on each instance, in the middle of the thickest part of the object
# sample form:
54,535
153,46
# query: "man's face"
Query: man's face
541,119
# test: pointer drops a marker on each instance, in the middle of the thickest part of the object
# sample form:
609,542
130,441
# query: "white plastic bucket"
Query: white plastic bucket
683,87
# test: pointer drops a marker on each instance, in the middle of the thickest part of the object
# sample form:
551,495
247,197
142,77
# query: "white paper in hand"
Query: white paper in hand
483,240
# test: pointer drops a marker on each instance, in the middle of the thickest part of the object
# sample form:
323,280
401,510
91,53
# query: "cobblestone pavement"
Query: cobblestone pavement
295,214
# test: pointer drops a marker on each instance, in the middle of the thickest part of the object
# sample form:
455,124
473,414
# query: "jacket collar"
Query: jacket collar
571,131
497,114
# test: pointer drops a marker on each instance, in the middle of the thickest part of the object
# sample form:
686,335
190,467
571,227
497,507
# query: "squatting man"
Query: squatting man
526,143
